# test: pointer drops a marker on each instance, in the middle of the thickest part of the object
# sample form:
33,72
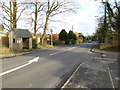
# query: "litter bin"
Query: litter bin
35,46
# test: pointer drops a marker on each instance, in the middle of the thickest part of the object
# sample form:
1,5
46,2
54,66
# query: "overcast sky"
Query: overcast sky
83,22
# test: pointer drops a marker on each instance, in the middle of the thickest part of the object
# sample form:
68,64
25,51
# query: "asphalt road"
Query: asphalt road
19,72
47,72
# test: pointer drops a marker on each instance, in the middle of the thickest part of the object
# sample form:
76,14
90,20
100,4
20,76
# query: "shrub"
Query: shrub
67,41
34,43
73,41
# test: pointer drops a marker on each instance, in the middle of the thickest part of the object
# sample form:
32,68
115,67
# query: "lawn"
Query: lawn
113,49
5,50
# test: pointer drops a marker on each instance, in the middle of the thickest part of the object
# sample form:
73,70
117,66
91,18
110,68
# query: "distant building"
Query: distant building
77,34
20,39
54,36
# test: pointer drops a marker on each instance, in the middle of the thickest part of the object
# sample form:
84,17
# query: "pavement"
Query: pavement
49,68
99,72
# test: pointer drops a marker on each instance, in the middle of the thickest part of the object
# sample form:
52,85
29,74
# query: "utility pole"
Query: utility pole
72,27
51,38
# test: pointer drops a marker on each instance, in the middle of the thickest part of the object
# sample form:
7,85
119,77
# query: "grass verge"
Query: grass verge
8,51
113,49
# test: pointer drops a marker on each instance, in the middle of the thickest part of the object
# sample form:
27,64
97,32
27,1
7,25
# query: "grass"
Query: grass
5,50
45,46
8,51
113,49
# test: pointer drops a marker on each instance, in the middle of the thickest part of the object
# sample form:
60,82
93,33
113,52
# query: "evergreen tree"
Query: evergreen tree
71,35
63,35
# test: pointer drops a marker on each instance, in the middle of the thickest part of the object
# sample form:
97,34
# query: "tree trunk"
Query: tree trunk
105,24
14,14
45,29
11,25
35,22
46,23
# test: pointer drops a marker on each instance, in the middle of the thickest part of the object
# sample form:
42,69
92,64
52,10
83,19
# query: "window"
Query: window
13,40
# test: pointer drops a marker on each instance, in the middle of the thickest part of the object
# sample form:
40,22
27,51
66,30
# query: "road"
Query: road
46,72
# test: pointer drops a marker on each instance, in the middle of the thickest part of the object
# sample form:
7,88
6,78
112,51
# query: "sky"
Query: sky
84,21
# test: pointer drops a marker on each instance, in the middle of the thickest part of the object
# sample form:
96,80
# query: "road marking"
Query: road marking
14,69
103,55
71,48
34,60
61,51
72,75
111,77
57,52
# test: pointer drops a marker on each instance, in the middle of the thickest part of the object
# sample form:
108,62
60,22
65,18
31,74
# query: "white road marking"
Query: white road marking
72,75
31,61
34,60
61,51
103,55
71,48
57,52
14,69
110,77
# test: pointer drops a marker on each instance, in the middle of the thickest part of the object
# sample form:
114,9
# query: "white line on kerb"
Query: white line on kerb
110,77
72,75
14,69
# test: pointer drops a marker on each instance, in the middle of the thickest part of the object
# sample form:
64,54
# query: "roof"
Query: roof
22,33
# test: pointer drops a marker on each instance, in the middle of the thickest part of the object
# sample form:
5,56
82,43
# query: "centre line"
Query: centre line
61,51
57,52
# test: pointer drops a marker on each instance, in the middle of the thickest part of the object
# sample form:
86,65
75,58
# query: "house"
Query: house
20,39
77,34
54,37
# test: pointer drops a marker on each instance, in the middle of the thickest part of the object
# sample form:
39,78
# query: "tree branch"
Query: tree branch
6,25
8,19
20,14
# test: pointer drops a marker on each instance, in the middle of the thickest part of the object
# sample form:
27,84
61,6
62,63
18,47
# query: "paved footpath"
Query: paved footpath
100,72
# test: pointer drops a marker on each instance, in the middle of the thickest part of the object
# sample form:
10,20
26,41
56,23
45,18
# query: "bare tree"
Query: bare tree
36,9
55,7
10,10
